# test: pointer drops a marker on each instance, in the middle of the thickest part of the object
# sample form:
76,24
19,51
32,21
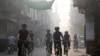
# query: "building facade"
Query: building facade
10,18
91,9
13,13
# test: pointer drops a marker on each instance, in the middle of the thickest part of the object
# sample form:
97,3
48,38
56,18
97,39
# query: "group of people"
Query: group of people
56,38
24,37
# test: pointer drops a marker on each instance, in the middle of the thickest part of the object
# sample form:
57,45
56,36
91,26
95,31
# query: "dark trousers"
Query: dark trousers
57,44
66,46
50,45
66,43
31,46
20,43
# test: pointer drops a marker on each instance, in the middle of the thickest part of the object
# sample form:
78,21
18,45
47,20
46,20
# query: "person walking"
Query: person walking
32,39
75,42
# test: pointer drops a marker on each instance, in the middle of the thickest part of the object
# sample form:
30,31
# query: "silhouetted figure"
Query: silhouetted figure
66,41
11,43
49,40
32,39
22,39
57,40
75,42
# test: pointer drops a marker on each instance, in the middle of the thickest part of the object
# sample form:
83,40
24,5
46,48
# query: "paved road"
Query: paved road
42,52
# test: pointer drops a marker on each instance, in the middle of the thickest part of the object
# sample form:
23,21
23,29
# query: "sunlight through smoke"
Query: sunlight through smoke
62,7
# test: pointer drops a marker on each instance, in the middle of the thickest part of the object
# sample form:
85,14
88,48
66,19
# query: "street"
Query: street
42,52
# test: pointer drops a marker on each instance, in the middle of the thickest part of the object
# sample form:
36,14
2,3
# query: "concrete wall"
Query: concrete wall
90,35
6,27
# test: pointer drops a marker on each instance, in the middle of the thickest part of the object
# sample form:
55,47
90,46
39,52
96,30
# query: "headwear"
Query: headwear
56,28
66,31
24,25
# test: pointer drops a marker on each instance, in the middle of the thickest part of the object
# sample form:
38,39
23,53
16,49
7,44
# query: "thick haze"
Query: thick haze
14,13
62,8
64,15
68,18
